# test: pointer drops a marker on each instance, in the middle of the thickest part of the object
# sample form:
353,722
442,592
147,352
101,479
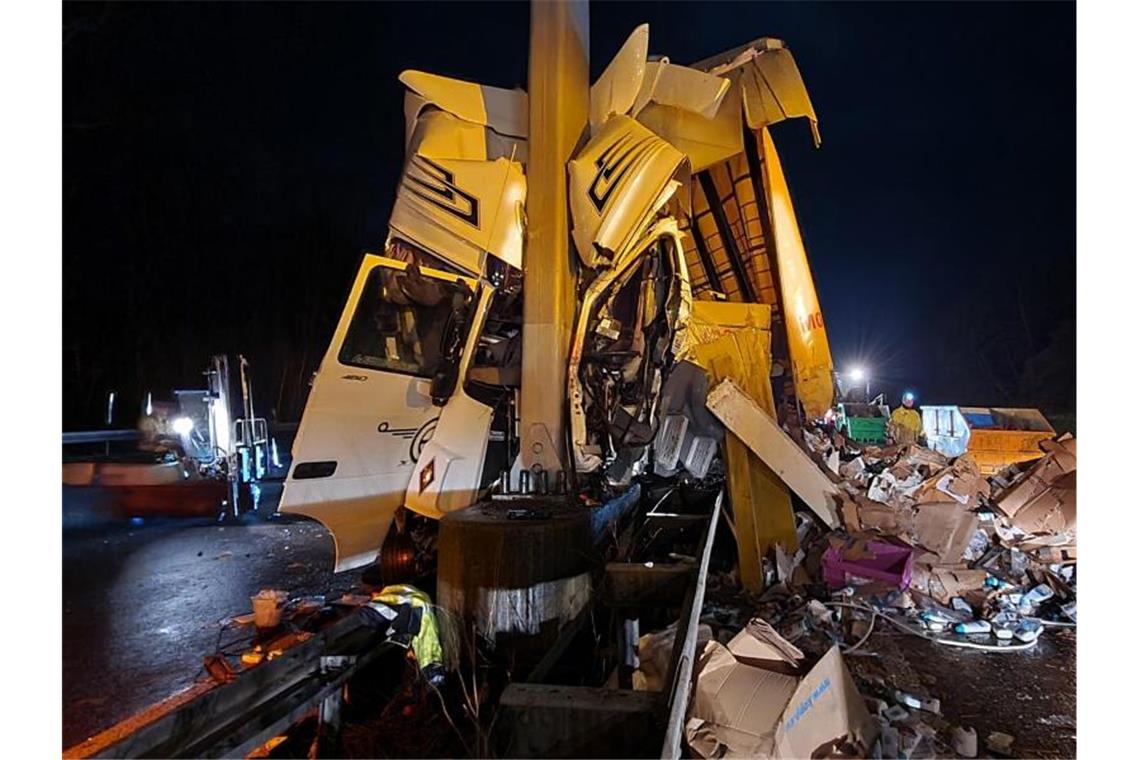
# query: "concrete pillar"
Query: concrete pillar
559,94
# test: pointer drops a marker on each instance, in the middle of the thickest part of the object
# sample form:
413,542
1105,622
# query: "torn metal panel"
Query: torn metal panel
618,182
698,114
631,324
438,134
773,88
704,141
812,369
681,87
505,111
744,417
732,340
619,85
462,211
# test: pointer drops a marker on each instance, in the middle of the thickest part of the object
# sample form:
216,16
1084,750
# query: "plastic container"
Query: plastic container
863,423
974,626
1028,631
889,564
866,429
1035,597
267,607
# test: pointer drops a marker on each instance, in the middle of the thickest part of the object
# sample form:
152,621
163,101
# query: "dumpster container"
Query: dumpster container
1001,437
863,423
995,437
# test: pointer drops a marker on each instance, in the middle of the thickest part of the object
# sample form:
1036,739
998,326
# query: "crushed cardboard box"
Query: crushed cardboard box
944,529
750,701
1044,500
944,583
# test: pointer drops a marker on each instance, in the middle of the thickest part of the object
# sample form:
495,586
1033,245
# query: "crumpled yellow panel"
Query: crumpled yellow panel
732,340
812,367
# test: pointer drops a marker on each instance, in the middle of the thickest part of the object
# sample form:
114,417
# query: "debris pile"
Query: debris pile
928,547
970,554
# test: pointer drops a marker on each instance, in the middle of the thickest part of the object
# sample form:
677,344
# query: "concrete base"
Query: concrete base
513,572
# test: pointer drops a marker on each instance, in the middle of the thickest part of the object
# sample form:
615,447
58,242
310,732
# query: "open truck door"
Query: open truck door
370,411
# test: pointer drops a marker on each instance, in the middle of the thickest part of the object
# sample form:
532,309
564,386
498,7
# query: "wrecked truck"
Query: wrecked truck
677,197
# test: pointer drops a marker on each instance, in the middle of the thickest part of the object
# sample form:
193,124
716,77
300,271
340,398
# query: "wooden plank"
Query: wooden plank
767,440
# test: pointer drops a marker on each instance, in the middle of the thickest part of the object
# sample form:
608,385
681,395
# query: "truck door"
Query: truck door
370,410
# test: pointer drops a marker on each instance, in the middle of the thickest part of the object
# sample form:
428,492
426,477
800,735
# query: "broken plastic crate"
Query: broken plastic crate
889,563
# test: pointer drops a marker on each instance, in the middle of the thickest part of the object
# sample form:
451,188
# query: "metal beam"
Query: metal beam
559,95
706,258
725,230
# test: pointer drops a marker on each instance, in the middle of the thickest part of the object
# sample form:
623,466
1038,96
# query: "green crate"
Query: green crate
866,429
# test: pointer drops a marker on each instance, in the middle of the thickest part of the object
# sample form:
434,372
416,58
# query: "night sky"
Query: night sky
226,165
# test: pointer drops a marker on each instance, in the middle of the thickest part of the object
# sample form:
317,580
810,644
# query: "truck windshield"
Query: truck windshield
406,322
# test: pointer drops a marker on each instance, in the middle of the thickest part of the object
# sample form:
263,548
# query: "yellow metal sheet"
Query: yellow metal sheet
807,337
732,341
619,85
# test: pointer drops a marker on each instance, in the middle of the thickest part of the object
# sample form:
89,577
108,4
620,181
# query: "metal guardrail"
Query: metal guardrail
232,719
683,682
99,436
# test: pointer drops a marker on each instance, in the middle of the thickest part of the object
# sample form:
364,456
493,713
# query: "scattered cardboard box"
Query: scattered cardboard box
748,701
944,529
1044,500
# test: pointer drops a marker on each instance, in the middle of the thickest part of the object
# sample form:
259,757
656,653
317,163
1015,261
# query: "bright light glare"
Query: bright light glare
183,425
908,396
858,374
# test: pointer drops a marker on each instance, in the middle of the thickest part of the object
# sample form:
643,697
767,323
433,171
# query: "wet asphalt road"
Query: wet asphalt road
1029,695
143,602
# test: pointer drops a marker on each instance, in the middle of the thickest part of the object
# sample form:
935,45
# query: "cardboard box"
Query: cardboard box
944,529
944,583
750,701
1045,500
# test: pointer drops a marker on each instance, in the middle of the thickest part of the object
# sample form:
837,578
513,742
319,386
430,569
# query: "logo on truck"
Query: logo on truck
438,188
613,164
418,436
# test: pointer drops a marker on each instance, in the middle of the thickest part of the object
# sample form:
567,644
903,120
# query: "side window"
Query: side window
401,321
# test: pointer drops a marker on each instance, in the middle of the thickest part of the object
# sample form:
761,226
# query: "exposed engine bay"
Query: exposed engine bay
633,317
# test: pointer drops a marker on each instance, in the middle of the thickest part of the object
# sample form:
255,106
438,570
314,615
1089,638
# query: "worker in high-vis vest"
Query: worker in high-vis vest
905,426
411,620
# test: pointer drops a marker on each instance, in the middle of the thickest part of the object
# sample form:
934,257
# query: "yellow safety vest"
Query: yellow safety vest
425,643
